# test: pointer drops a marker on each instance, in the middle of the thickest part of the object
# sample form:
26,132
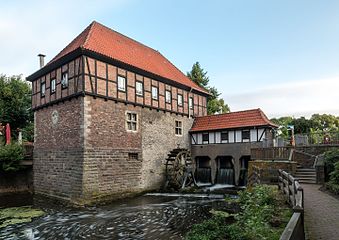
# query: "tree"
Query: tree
15,103
214,104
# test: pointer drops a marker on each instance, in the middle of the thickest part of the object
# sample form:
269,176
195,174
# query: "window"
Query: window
43,89
155,93
245,135
224,136
131,121
139,88
179,99
178,128
191,102
64,80
132,156
121,83
53,85
168,96
205,138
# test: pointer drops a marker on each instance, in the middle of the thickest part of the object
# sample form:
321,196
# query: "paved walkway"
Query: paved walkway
321,214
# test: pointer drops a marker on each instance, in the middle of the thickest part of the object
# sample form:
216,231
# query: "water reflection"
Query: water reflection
146,217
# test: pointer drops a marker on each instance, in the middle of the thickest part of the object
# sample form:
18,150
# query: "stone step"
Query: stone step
313,181
305,174
306,177
305,170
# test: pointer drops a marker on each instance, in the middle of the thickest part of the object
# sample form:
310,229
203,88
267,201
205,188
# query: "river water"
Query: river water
144,217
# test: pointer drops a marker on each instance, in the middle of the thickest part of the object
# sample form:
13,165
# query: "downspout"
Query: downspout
189,107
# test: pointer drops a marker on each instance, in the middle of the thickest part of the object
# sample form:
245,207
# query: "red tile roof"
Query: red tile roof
105,41
247,118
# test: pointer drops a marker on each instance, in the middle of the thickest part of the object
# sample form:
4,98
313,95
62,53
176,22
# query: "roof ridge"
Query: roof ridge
72,42
89,33
111,29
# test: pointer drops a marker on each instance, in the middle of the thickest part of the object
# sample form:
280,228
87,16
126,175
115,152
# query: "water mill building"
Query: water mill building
221,144
107,110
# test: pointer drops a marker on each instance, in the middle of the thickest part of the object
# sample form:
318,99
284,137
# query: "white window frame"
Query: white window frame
131,120
139,88
208,138
178,128
168,96
180,103
223,140
53,85
43,89
155,93
121,83
191,102
64,80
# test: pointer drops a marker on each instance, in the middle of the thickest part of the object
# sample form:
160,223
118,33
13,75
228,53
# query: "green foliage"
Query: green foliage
15,102
214,104
318,123
10,157
263,215
9,216
330,158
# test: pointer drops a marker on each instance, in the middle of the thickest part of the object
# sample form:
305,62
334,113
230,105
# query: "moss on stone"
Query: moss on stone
15,215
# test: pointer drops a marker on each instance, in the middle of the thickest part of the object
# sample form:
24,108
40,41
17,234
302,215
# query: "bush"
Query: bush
10,157
263,215
330,158
333,184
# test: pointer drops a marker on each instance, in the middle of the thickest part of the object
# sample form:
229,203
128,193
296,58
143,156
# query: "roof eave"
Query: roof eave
233,128
57,63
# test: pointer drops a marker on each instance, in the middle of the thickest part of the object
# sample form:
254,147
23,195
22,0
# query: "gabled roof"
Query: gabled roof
109,43
233,120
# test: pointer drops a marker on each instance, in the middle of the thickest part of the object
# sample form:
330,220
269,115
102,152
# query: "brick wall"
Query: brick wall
58,149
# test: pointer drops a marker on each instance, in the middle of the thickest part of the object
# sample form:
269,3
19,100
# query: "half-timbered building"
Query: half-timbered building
107,111
221,144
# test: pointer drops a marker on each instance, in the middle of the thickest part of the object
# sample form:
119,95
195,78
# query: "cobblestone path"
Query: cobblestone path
321,214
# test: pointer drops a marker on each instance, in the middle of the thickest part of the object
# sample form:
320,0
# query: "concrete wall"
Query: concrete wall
236,150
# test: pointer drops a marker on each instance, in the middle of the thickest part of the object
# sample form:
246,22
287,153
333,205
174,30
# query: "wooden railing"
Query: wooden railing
273,153
294,193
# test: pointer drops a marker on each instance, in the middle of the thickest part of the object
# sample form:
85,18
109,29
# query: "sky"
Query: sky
280,56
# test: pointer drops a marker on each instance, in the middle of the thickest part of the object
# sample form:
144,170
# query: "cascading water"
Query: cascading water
225,176
203,175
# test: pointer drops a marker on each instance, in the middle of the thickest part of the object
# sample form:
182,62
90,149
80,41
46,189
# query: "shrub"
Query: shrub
333,184
10,157
330,158
263,215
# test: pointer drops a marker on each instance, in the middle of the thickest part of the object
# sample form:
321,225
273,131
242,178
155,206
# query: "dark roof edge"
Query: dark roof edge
231,129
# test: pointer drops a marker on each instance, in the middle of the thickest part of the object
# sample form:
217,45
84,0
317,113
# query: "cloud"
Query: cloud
31,27
300,98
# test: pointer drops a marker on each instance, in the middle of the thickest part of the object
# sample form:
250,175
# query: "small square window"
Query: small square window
178,128
43,89
191,102
53,85
155,93
179,99
245,135
121,83
131,121
205,138
224,136
64,80
132,156
139,88
168,96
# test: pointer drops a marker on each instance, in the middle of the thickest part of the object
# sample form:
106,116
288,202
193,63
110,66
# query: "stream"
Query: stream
144,217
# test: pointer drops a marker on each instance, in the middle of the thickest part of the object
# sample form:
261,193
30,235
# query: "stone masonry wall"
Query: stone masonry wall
58,150
117,161
158,139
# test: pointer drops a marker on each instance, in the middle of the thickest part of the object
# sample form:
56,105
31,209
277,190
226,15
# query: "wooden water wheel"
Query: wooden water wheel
179,169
